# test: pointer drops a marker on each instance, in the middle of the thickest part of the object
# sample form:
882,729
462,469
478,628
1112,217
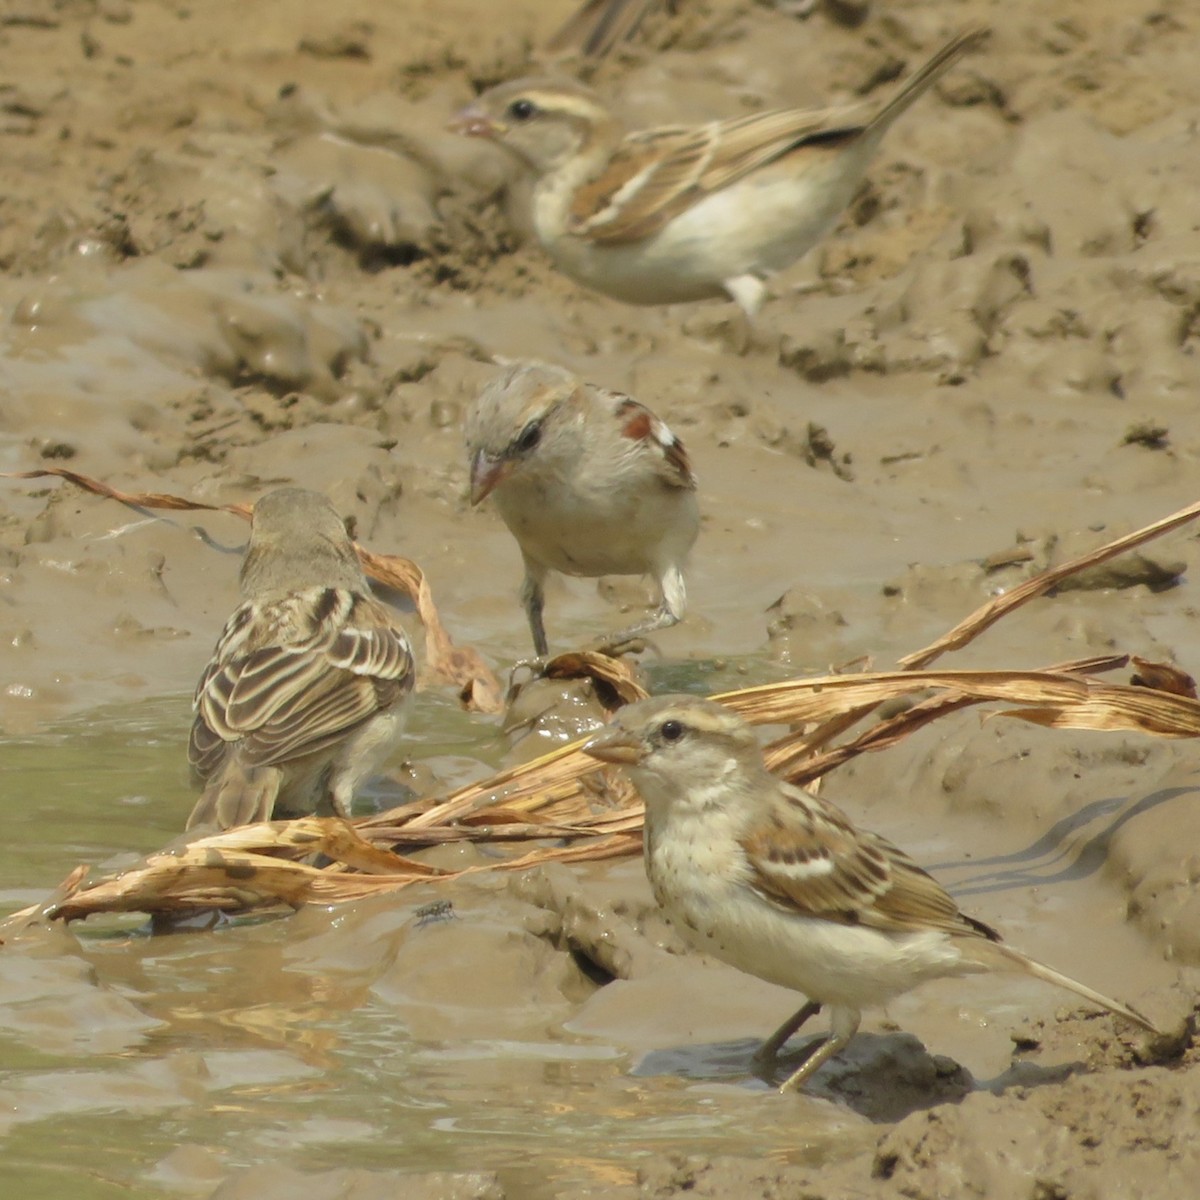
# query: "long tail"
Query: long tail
928,75
1016,961
237,795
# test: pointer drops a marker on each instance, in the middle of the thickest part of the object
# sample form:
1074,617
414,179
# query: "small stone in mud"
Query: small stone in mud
1146,433
351,41
445,414
1011,557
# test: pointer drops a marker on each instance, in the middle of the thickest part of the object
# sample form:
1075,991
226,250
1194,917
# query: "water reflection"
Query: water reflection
365,1036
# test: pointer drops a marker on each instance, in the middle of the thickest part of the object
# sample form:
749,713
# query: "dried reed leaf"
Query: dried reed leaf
823,697
133,499
984,617
614,678
529,784
248,867
1117,707
460,666
546,798
1162,677
795,756
203,878
987,615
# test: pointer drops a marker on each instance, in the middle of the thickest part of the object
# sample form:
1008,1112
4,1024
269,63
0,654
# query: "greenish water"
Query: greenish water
133,1065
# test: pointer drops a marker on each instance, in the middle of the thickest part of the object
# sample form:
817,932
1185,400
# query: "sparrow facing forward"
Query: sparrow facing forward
303,694
685,213
781,885
589,482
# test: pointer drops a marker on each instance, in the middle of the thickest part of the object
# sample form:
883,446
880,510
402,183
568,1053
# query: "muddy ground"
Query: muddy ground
240,249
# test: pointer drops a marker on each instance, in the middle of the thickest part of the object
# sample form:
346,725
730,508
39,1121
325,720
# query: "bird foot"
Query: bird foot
535,667
622,643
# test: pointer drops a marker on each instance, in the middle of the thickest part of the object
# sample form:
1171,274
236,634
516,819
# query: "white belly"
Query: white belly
757,226
592,534
832,963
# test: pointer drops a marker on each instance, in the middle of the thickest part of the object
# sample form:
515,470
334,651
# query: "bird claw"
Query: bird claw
622,643
536,666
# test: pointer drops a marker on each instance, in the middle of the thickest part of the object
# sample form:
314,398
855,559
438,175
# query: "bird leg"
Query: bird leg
627,639
768,1052
669,612
748,292
533,597
843,1026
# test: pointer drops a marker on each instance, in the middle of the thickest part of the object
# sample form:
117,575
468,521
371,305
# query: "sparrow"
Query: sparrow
588,481
684,213
305,689
780,884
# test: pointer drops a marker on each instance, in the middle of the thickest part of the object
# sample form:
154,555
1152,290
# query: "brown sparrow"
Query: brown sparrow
589,482
685,213
781,885
303,694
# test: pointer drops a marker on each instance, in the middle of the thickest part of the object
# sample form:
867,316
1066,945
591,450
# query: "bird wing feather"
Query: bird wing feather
289,678
806,857
658,173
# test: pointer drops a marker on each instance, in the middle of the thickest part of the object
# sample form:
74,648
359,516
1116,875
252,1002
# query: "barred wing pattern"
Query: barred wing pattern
292,676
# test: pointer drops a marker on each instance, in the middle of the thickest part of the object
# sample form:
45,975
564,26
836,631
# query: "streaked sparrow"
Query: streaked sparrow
685,213
304,692
589,482
780,884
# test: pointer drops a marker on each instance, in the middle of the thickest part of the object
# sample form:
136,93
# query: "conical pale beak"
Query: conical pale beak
486,473
472,121
616,745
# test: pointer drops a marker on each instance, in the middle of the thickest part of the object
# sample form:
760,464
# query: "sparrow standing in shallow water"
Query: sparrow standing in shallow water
779,884
304,692
685,213
589,482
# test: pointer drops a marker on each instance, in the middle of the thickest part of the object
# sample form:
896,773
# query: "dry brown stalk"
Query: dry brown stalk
987,615
546,800
984,617
460,666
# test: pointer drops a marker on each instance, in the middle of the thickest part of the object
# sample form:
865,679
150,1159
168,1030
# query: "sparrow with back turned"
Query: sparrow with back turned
589,482
780,884
685,213
304,692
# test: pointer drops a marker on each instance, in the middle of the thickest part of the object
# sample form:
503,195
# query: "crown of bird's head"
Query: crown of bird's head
297,540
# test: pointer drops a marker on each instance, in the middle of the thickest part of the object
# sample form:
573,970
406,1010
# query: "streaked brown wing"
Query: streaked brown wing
658,173
282,701
809,859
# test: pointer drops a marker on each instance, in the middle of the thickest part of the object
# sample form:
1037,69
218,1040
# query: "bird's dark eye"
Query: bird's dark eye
522,110
671,731
530,436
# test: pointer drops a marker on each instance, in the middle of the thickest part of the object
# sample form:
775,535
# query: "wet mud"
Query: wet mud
239,251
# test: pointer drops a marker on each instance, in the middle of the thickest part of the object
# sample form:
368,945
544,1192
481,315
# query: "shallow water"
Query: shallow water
353,1036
